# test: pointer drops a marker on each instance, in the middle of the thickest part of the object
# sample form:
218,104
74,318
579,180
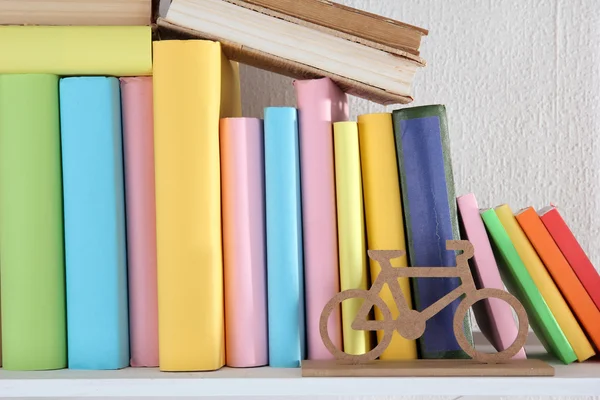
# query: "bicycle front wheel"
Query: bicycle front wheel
483,294
374,300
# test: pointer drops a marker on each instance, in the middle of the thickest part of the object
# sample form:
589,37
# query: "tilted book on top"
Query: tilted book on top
292,46
339,18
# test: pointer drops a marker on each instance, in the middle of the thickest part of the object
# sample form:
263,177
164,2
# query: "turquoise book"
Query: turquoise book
285,276
94,212
431,219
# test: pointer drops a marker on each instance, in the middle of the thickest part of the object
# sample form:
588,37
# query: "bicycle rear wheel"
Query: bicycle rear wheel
506,354
374,300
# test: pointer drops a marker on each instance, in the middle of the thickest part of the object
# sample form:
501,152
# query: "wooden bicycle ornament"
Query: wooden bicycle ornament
410,324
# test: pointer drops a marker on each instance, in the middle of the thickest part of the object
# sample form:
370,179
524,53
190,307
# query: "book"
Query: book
34,335
342,20
194,87
573,252
494,317
320,103
244,241
295,49
95,235
285,258
429,204
518,281
77,50
81,12
565,279
354,272
383,216
138,150
557,304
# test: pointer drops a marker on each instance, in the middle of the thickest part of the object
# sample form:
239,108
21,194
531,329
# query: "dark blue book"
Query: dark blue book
429,204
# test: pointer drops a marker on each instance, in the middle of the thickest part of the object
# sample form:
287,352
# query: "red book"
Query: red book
571,249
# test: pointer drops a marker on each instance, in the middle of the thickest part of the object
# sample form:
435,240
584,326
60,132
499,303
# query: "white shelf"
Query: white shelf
573,380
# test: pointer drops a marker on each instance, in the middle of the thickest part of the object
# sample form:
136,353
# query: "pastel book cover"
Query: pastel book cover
285,258
566,280
352,244
571,248
429,203
519,282
320,103
138,147
494,316
555,300
76,50
384,220
95,237
194,87
34,334
244,242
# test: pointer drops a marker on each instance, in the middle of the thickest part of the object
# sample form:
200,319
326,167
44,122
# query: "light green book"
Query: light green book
521,285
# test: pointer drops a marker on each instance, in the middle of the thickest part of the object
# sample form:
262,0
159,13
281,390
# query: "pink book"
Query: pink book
244,242
495,318
320,104
138,142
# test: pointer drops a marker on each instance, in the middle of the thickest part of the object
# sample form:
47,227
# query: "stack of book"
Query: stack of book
145,222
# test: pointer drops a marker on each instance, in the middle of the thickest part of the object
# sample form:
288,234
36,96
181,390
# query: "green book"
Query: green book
34,334
521,285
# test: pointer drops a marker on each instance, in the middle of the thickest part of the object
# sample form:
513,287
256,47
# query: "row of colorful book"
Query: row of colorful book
194,238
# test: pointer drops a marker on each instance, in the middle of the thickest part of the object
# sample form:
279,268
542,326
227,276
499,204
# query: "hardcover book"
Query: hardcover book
429,203
269,40
552,296
518,281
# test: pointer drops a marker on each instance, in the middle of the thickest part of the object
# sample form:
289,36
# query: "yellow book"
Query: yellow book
351,231
383,211
194,85
542,279
76,50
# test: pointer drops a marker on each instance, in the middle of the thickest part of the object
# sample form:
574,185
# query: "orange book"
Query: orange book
577,297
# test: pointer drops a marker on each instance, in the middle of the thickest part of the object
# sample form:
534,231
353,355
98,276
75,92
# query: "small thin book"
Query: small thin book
78,12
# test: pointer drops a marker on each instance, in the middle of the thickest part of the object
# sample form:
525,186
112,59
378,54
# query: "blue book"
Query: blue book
285,277
429,203
94,210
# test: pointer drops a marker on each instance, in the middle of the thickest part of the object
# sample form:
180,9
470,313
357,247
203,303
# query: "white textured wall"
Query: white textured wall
521,82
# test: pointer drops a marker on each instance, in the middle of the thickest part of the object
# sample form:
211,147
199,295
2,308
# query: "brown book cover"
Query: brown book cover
81,12
350,21
269,62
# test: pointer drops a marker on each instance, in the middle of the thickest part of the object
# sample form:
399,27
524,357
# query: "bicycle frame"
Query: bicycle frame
390,275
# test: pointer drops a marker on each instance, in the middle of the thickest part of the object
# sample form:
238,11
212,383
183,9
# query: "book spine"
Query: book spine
77,50
244,242
425,168
34,333
383,215
138,143
519,282
570,287
351,232
495,319
574,253
79,13
561,311
95,237
285,276
188,81
320,103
